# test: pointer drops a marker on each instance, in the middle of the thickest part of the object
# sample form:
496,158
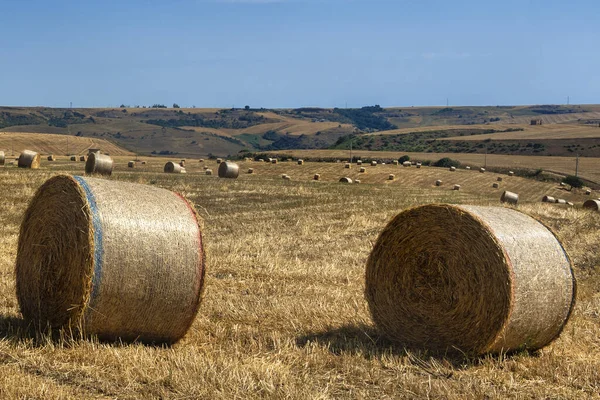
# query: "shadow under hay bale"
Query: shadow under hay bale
229,170
172,168
100,254
100,164
509,197
592,205
29,159
500,282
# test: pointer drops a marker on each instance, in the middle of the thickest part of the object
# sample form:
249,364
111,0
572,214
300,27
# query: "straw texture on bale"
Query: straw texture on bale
229,170
250,170
317,177
592,205
472,278
81,158
100,164
2,158
509,197
456,187
391,177
482,170
345,180
51,157
438,183
362,170
452,169
29,159
548,199
73,158
122,261
131,164
208,172
172,168
495,185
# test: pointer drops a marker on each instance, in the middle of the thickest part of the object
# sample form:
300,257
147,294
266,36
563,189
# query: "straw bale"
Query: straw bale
482,170
208,172
317,177
201,160
592,205
172,168
452,169
588,192
123,261
373,163
347,165
391,177
509,197
29,159
467,167
456,187
182,163
469,278
2,158
131,164
495,185
548,199
73,158
229,170
183,171
418,165
570,204
359,162
499,179
563,184
100,164
561,201
143,162
51,157
345,180
357,181
250,170
286,177
219,160
81,158
300,162
406,164
510,173
362,170
438,183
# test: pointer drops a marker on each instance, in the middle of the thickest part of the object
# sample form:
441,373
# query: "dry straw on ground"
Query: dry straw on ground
592,205
122,261
172,168
228,170
100,164
477,279
29,159
509,197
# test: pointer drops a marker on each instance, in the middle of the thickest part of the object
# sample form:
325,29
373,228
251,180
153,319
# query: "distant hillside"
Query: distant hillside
227,132
15,143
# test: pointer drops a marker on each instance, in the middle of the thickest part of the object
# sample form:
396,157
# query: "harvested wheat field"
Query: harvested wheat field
284,313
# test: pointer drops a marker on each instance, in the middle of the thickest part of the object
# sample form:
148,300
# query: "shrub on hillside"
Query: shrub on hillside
403,159
573,181
447,162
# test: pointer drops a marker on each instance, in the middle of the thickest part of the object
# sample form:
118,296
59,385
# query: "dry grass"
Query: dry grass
539,132
284,315
47,143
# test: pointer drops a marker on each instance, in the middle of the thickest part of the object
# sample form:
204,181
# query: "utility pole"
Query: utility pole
447,102
577,165
485,158
350,151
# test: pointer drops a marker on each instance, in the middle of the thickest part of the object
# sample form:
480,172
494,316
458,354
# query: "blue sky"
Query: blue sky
292,53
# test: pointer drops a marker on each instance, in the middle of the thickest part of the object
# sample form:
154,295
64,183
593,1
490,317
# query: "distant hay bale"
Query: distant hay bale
51,157
172,168
269,160
92,150
347,165
382,163
100,164
438,183
395,162
500,281
131,164
373,163
509,197
2,158
592,205
273,161
499,179
229,170
317,177
345,180
201,160
561,201
143,162
29,159
467,167
359,162
548,199
208,172
391,177
452,169
286,177
300,162
122,261
357,181
495,185
406,164
219,160
73,158
362,170
81,158
588,192
418,165
456,187
250,170
563,184
182,163
482,170
511,173
570,204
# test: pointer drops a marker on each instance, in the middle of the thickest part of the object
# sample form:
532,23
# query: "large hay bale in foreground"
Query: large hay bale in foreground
476,279
29,159
172,168
345,180
228,170
124,261
509,197
592,205
100,164
2,158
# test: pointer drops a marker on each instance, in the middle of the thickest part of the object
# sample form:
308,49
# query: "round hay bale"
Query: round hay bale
208,172
548,199
357,181
438,183
273,161
205,167
219,160
143,162
286,177
563,184
509,197
81,158
472,278
373,163
51,157
183,171
510,173
250,170
418,165
482,170
2,158
382,163
29,159
452,169
467,167
561,201
131,164
406,164
588,192
182,163
495,185
100,164
345,180
201,160
300,162
124,261
229,170
172,168
570,204
347,165
362,170
592,205
499,179
395,162
391,177
317,177
456,187
359,162
73,158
